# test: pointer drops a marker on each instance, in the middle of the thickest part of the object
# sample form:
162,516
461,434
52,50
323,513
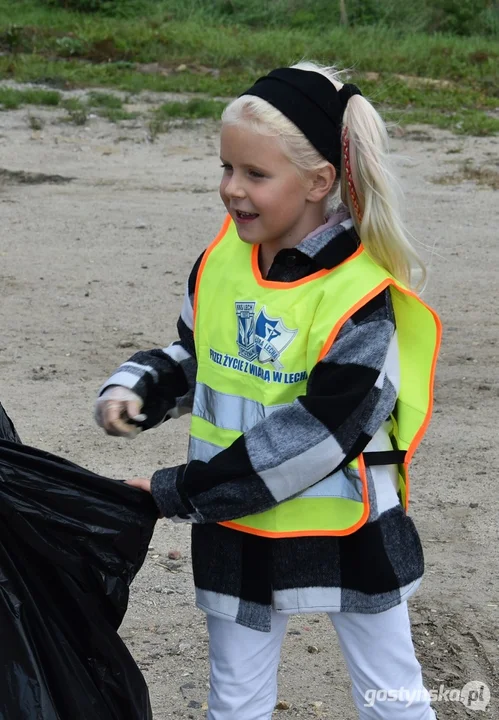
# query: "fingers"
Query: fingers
114,410
115,415
132,410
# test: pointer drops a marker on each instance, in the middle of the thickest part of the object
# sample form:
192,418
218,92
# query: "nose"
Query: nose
233,188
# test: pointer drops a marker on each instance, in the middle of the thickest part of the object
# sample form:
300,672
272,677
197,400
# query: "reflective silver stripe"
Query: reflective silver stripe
337,485
232,412
229,412
202,450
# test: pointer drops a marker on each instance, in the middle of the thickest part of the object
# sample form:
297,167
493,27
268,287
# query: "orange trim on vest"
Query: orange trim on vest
208,251
363,301
325,349
424,426
419,435
280,285
274,284
313,533
417,439
407,486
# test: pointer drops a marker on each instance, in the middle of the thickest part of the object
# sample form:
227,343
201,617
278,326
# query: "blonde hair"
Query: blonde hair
368,186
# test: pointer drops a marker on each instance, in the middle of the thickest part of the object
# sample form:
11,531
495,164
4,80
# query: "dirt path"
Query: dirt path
94,258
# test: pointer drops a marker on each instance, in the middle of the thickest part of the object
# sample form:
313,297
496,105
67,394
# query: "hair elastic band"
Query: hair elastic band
348,171
312,103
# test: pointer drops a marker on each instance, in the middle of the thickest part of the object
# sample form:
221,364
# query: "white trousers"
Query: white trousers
377,648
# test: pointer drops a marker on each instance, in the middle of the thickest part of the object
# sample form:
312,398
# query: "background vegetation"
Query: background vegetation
464,17
431,61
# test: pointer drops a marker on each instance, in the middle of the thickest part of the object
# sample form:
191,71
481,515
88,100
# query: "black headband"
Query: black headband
311,102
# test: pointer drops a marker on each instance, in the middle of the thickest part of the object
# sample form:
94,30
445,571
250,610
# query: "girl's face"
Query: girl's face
262,191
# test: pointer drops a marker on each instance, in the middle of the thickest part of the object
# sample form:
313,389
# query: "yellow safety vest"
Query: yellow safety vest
257,342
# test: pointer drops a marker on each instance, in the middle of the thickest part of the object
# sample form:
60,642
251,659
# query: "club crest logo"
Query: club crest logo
264,338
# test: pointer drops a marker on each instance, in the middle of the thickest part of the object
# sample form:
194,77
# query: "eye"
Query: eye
226,167
256,174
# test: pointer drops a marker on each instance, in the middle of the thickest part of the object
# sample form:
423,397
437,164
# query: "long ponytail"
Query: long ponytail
369,187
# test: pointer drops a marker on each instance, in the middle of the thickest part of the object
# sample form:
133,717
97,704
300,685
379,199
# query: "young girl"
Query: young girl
307,365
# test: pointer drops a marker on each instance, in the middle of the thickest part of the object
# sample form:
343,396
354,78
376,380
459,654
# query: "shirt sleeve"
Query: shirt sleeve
164,378
350,393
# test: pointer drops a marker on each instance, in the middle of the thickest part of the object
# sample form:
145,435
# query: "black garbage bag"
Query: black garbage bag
71,543
7,429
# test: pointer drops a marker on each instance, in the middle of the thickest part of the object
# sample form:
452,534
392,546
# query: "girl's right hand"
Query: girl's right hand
115,408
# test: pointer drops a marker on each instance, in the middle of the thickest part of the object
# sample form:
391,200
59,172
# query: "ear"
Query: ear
321,183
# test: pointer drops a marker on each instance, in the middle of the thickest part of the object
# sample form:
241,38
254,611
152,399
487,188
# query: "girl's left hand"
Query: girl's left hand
141,483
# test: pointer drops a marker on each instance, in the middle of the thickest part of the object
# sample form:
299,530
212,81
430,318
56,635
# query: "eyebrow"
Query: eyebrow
250,166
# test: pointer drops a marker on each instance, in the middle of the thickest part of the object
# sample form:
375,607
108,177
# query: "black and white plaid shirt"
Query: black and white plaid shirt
350,395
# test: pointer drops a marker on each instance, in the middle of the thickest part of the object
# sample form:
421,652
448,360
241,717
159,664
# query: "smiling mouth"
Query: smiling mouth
244,216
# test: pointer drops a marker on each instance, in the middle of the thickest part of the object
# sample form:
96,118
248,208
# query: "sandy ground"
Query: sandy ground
94,268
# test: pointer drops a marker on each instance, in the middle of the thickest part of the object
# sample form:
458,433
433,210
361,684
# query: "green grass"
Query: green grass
65,50
193,109
462,17
171,43
103,104
460,107
35,123
77,116
68,74
462,123
481,175
73,104
104,100
11,99
116,114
